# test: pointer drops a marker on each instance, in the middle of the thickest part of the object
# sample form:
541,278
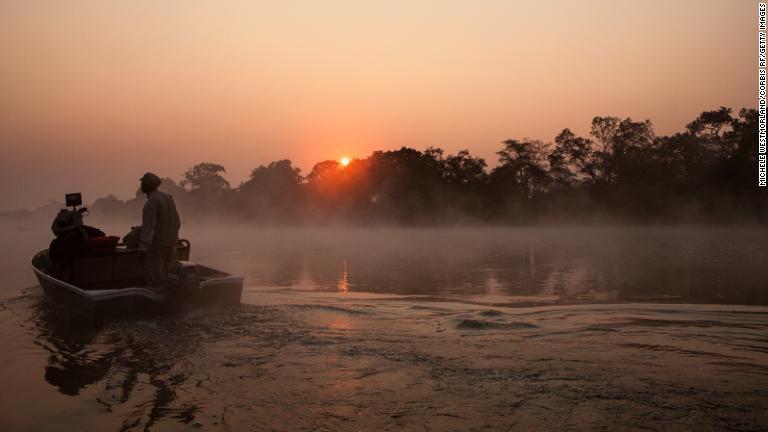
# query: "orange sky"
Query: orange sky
94,93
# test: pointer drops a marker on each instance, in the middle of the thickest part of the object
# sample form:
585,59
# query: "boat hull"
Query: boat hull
130,301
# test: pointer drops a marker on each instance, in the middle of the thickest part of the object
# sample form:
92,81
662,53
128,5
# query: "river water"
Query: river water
413,329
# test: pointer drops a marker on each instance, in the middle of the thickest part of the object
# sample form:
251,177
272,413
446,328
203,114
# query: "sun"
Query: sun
344,161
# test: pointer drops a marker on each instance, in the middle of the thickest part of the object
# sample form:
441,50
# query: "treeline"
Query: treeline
621,171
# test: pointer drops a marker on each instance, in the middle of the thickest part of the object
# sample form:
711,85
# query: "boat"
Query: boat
112,285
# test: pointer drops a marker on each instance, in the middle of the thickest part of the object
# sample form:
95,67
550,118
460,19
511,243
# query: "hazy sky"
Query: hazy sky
94,93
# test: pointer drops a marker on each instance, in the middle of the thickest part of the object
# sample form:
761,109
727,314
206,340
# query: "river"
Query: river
353,328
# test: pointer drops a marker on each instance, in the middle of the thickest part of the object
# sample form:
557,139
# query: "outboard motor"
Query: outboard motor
184,277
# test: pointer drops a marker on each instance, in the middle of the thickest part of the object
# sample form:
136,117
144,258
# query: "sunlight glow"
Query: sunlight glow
344,161
344,282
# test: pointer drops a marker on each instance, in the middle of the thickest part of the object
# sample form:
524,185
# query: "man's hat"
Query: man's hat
151,180
66,220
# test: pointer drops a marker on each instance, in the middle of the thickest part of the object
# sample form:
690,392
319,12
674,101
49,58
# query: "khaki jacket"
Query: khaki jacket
159,222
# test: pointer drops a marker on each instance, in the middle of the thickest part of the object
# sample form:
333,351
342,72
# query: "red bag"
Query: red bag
103,244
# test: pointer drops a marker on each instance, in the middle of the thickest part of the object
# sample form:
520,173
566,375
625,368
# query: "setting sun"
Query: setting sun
344,161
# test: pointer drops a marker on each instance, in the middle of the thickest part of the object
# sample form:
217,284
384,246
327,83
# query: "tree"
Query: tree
577,152
523,164
281,174
205,175
711,123
560,173
272,191
405,183
324,171
615,139
464,170
207,188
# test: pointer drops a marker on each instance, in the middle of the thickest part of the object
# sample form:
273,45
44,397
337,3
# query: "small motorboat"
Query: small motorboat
112,285
102,279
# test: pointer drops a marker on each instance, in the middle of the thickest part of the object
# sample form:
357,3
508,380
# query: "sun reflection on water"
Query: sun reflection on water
344,280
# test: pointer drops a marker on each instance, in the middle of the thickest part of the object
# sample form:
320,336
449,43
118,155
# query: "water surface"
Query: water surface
413,329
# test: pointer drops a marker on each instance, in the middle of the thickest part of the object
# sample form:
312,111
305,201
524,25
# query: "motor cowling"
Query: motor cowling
183,276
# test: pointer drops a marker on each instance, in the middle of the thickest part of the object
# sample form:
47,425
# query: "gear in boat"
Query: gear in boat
97,277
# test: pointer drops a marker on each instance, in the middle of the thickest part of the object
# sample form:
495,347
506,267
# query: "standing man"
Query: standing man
159,230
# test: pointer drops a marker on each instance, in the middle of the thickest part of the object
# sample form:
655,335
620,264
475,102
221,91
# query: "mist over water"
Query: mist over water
383,328
527,265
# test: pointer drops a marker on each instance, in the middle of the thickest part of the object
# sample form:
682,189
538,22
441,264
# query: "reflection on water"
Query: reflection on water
133,365
72,363
343,286
715,265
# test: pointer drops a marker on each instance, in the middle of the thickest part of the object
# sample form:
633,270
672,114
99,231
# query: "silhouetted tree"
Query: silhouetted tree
207,186
711,122
273,192
520,177
574,152
404,184
205,176
523,165
615,140
464,170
